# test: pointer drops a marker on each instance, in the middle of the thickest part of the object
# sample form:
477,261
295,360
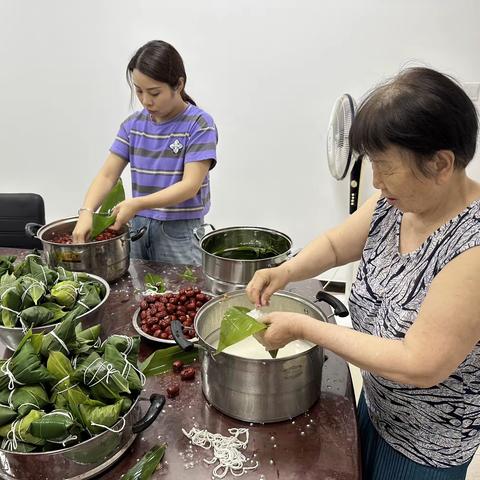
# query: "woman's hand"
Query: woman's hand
265,283
124,212
83,227
283,328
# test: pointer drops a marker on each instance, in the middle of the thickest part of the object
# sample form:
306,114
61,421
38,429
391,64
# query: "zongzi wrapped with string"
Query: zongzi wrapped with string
98,419
57,426
103,379
127,370
23,368
19,430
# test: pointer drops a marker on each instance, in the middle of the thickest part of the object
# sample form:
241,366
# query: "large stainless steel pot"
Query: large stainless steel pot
227,274
108,259
87,459
253,390
11,337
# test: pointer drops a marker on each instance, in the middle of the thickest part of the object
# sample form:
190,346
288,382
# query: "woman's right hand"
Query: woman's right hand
83,227
265,283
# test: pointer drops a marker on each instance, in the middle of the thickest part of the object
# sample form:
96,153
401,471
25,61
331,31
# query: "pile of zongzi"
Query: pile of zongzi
32,294
61,388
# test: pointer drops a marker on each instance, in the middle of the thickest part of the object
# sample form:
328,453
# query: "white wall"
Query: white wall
268,71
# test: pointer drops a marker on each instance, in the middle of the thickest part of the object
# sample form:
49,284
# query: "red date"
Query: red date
187,373
158,311
173,390
177,366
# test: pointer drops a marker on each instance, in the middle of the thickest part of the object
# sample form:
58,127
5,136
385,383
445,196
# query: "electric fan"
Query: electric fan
339,151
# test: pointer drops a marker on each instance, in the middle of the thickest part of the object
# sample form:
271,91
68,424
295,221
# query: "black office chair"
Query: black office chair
16,210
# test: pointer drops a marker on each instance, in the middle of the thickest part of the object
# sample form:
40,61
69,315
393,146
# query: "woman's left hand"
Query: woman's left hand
124,212
283,328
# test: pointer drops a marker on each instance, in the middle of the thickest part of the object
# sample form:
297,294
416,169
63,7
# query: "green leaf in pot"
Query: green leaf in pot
76,397
42,273
103,219
7,279
161,361
97,418
65,293
145,468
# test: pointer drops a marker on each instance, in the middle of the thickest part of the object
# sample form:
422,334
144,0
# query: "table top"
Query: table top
321,443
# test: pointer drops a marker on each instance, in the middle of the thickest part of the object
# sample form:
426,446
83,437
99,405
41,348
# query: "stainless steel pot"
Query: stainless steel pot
253,390
108,259
87,459
11,337
227,274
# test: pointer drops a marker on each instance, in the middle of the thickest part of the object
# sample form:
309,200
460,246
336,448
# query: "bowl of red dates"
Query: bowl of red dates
155,313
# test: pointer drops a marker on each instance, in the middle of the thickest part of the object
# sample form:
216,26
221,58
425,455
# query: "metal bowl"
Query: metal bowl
11,337
109,259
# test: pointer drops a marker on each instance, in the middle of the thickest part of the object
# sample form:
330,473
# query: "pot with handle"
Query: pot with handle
264,389
108,259
86,459
231,256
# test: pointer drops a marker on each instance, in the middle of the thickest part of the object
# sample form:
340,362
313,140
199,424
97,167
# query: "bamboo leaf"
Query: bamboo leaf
103,219
188,275
161,360
145,468
154,282
236,326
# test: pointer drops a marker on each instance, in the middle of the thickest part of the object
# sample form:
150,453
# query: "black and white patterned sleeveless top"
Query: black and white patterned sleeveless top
437,426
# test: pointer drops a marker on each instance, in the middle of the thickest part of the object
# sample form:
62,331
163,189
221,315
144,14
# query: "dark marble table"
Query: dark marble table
321,444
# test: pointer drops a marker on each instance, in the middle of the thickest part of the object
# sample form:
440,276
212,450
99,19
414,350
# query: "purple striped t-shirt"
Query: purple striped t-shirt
157,153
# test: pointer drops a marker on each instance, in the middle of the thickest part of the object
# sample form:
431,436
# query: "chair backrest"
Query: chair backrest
16,210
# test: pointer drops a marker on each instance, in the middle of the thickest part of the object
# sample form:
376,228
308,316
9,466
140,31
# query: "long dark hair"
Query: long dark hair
421,110
161,61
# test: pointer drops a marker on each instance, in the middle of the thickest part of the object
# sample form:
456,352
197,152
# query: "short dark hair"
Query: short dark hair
420,110
162,62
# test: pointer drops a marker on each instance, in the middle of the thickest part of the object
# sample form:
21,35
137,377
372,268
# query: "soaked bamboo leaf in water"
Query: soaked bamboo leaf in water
145,468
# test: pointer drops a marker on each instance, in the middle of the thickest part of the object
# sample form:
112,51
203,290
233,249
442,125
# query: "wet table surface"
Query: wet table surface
319,444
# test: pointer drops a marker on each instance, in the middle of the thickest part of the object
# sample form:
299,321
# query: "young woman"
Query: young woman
170,146
414,306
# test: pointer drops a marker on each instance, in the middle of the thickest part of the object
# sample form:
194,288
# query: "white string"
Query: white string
108,428
60,381
150,290
11,442
67,389
34,283
110,370
83,304
6,371
226,450
59,340
97,344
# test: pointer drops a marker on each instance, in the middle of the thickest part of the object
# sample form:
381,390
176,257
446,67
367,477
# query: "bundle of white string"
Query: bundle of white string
226,450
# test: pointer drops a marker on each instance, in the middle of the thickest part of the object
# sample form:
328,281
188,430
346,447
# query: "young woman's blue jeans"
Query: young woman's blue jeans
167,241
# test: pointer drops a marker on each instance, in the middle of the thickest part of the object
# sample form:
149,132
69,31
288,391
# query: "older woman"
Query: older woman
415,304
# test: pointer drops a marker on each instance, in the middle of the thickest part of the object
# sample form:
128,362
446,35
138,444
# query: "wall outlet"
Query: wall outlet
472,89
